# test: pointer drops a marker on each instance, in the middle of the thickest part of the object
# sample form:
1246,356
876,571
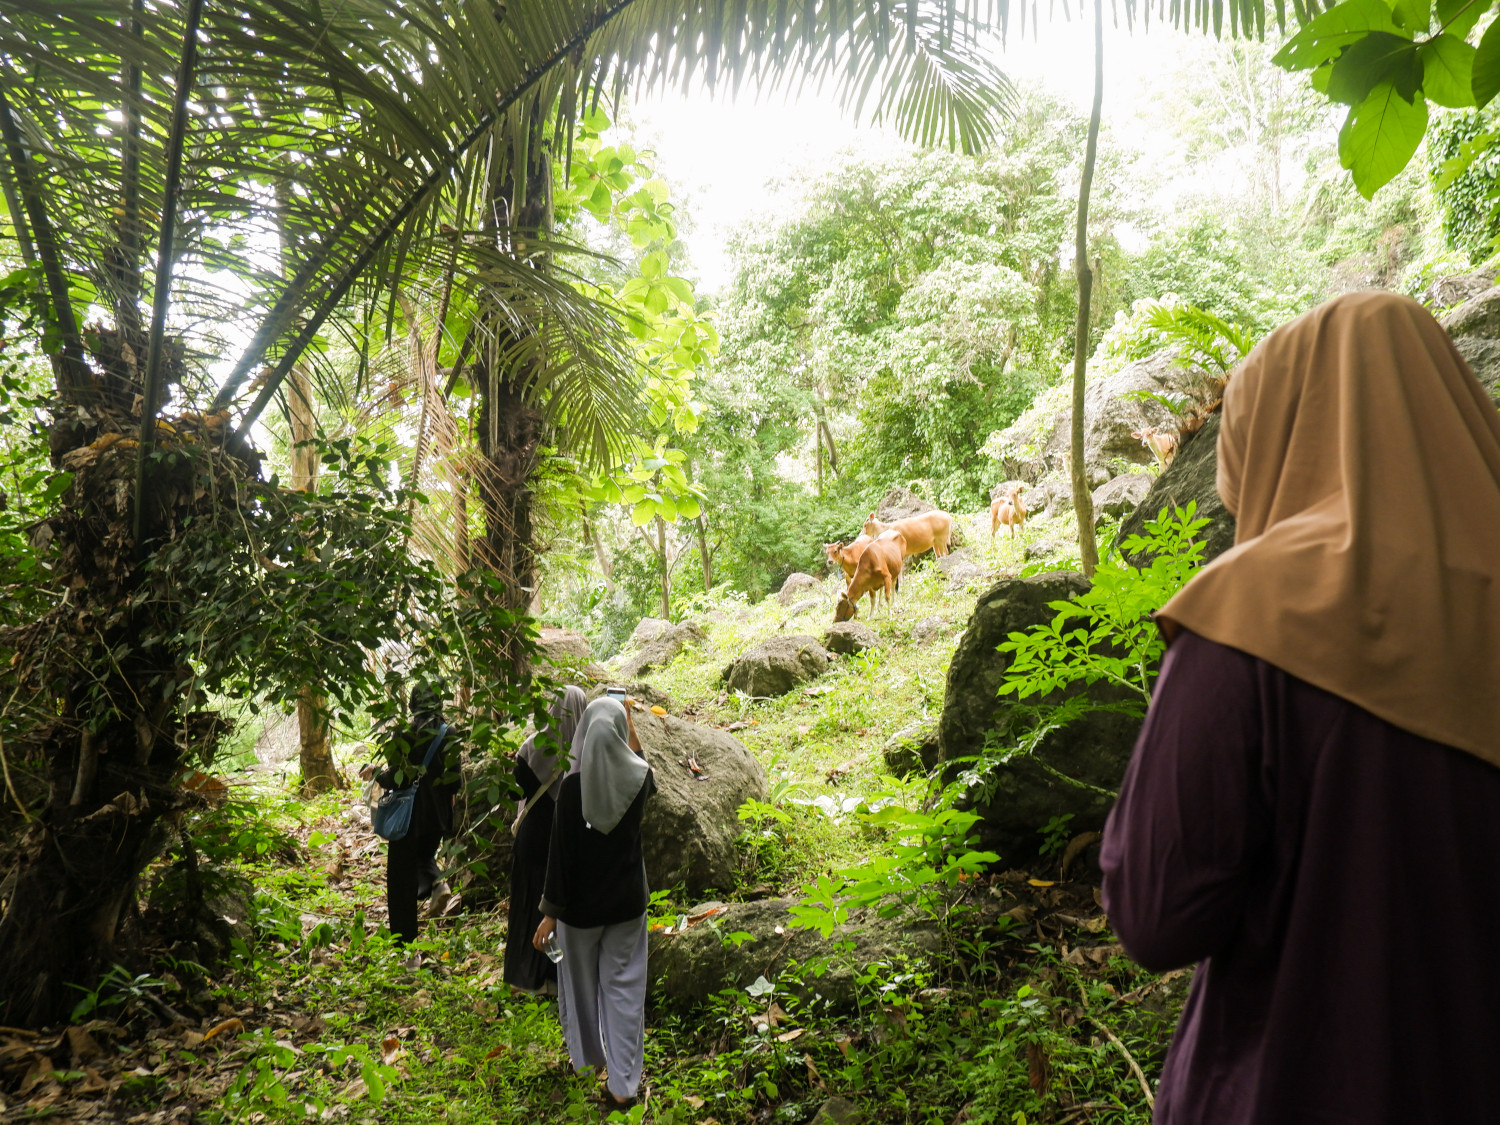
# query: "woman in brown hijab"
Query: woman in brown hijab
1313,808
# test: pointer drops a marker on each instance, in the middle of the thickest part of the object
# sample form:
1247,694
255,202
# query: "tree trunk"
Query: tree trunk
666,573
1083,500
703,555
606,568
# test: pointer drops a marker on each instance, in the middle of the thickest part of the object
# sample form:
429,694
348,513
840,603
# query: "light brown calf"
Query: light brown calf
1010,510
846,557
928,531
879,568
1163,446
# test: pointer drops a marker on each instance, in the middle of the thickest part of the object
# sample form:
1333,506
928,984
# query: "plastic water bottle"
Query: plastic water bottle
552,949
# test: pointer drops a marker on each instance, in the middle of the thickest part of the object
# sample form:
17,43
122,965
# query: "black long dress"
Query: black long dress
525,967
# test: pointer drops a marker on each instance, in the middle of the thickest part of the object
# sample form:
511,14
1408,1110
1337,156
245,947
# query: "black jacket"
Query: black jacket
432,811
594,878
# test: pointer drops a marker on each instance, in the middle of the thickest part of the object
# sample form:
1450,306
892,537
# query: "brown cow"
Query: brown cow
879,568
846,557
930,530
1010,510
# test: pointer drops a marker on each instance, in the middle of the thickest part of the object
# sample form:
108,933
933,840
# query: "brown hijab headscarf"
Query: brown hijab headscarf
1361,460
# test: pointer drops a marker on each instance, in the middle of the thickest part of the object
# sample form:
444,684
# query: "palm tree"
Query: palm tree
205,129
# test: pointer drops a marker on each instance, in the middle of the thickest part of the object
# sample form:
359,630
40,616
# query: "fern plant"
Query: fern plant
1205,340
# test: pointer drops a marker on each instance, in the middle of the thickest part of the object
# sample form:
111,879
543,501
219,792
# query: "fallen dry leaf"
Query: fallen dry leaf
1041,882
843,1044
694,1102
83,1044
657,710
788,1036
390,1050
39,1071
232,1026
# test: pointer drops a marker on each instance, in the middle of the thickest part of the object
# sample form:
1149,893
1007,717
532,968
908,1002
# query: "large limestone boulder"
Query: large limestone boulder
571,653
689,967
647,629
1074,770
560,644
1112,411
1475,328
1190,476
1455,289
796,586
777,665
691,824
900,503
850,637
1121,496
661,648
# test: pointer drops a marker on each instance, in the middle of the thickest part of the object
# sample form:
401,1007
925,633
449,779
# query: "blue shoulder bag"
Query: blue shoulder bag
391,816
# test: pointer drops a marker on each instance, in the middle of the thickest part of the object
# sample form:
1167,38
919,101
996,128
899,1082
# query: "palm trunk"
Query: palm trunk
113,656
1083,500
319,772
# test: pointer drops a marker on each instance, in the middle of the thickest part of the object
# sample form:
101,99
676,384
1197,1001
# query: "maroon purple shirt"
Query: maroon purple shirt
1338,879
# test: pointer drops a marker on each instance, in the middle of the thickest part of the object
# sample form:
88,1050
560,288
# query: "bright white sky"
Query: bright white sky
719,154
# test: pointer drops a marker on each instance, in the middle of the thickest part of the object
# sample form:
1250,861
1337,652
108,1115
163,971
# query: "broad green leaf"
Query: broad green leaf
1380,57
1458,17
1379,137
653,265
643,513
1414,15
1486,77
1331,32
689,508
1447,71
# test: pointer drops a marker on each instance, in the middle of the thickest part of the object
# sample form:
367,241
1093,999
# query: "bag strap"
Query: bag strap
431,750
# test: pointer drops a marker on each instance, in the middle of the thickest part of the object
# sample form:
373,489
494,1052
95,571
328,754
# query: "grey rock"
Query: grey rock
1475,328
900,503
837,1110
954,558
1054,496
689,967
1192,475
794,585
912,749
646,631
805,607
649,694
850,637
928,629
662,648
691,824
776,666
1044,549
966,574
1122,495
1026,791
564,644
1110,416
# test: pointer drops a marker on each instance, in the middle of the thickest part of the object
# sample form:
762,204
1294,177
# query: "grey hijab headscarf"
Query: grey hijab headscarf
541,754
610,772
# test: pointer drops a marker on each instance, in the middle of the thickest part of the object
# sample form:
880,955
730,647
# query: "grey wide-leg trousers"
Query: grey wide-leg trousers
601,999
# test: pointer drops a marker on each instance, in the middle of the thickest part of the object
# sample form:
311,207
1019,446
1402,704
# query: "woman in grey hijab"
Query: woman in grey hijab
596,896
540,765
